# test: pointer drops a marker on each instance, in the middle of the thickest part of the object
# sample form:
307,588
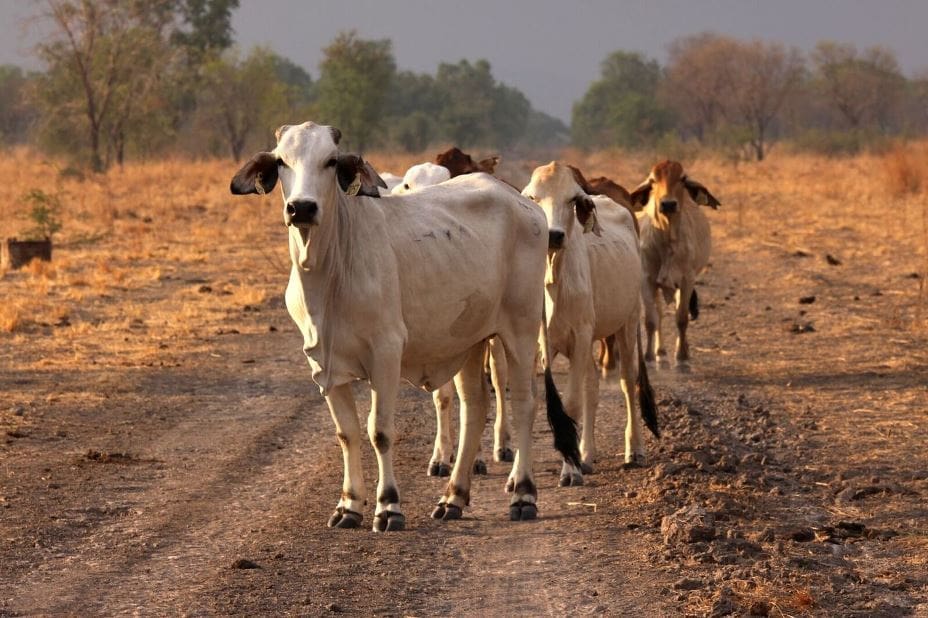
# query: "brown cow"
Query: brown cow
460,163
675,245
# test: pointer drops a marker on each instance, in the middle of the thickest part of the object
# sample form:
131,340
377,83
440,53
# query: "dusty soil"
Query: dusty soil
161,434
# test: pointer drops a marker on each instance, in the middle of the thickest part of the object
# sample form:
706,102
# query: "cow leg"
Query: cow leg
683,320
576,396
652,318
521,358
607,356
348,429
474,398
590,406
634,439
440,464
499,371
380,429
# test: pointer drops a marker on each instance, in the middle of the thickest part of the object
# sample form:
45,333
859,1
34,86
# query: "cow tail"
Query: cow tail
646,398
562,426
694,305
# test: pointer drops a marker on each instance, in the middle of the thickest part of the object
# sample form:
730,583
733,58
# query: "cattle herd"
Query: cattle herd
451,270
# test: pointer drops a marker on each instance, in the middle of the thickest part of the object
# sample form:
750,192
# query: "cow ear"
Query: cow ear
640,196
586,214
348,173
280,131
370,177
258,175
700,194
580,180
489,164
356,176
336,135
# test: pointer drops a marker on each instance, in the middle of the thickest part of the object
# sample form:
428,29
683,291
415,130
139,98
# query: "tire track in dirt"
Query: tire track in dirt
223,474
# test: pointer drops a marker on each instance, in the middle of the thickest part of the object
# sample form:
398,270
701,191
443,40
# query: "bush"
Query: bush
43,213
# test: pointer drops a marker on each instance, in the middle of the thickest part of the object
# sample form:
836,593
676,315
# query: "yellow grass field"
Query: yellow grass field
157,337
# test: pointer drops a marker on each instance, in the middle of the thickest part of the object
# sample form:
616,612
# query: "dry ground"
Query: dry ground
158,424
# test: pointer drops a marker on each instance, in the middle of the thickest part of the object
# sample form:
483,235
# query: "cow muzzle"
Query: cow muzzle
301,212
555,239
668,207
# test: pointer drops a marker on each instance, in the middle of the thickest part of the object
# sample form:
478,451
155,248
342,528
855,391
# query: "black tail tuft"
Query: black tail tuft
694,305
562,426
646,398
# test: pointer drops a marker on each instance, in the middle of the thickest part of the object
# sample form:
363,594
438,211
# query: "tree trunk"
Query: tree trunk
96,162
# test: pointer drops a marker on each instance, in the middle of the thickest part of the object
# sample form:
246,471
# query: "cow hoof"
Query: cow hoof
452,511
480,467
343,518
439,511
504,454
510,485
637,461
437,468
523,511
388,521
570,480
586,468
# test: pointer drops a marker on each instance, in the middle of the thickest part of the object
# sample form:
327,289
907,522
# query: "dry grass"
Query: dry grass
906,168
133,237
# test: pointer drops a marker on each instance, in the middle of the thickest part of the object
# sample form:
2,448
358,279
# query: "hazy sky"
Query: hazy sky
550,49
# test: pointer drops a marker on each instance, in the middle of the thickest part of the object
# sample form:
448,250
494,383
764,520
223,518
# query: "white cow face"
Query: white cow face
310,169
555,188
311,172
421,175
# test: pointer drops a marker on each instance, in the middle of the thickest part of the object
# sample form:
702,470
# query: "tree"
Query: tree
15,114
103,57
863,87
621,107
207,27
241,98
475,109
354,79
698,78
764,76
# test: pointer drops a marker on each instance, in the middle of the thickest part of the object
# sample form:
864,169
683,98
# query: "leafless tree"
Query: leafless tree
864,87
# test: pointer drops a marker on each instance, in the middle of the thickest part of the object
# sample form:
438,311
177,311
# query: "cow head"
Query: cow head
421,175
311,172
666,191
559,190
459,163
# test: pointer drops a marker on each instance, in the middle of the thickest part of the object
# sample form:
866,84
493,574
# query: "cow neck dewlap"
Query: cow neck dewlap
316,248
325,284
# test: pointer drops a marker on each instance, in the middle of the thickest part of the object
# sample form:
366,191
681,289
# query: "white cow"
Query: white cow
591,292
421,175
390,180
418,177
675,244
409,287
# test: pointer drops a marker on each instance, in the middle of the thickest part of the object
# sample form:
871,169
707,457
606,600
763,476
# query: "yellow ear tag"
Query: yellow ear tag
592,224
355,185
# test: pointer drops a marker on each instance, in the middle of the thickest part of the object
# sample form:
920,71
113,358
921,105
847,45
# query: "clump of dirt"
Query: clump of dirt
108,457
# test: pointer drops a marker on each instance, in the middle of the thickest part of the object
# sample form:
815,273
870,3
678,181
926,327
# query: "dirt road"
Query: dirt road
142,465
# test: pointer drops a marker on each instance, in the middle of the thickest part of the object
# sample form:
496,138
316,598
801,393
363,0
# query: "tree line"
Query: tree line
146,78
721,91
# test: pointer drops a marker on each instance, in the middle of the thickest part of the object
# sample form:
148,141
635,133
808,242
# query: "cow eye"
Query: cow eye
280,162
331,162
406,186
